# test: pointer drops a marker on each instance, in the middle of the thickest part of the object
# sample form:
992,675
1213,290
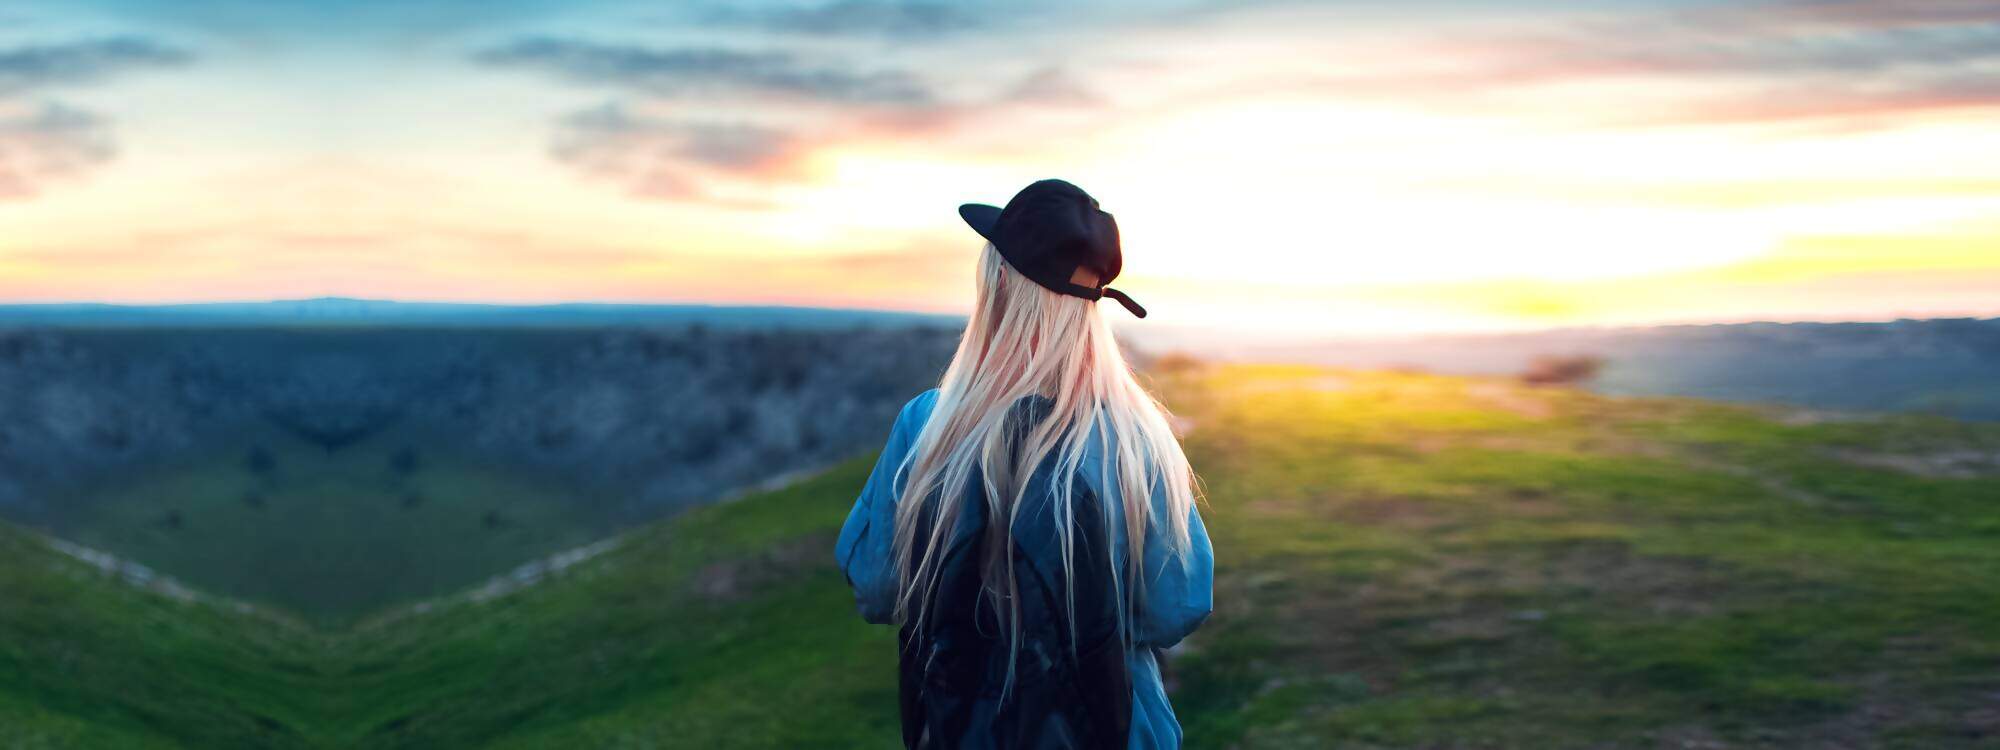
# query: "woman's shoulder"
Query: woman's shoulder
921,405
917,411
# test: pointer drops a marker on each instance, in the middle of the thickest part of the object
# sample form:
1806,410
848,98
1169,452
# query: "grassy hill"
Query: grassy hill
87,661
329,535
1405,561
335,471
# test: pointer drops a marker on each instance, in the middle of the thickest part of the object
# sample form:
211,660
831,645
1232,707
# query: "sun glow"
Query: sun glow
1314,194
1271,167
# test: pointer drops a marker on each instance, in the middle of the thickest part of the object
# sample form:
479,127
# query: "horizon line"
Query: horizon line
499,306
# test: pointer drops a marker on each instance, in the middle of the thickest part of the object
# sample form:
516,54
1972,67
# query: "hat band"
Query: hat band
1078,290
1065,286
1123,299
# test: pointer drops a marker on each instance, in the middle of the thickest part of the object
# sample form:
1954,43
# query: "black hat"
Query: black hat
1048,231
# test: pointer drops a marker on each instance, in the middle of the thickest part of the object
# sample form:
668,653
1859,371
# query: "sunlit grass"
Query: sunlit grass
1404,561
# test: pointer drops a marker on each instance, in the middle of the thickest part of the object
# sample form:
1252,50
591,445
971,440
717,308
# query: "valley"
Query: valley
1405,561
332,471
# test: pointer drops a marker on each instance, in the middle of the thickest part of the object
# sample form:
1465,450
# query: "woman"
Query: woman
1031,523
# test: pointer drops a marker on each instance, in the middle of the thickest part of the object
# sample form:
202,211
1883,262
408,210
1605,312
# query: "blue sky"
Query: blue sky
1331,165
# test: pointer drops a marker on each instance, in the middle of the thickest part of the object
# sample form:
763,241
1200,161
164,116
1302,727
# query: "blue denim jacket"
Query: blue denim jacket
1178,596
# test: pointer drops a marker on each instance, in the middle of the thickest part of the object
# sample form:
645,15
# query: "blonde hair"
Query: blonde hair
1024,341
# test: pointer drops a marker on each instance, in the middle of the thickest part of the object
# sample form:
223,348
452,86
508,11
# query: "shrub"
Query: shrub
404,461
260,461
1562,369
1176,363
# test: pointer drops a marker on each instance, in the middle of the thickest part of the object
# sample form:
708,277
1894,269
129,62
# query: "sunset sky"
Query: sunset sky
1276,166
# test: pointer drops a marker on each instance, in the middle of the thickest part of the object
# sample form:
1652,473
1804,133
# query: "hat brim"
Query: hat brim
980,217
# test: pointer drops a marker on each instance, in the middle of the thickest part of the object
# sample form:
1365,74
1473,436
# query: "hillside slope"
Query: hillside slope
1406,561
333,471
88,660
724,628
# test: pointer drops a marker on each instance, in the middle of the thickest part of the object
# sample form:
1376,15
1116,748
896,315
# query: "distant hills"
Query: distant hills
1948,366
1943,366
335,311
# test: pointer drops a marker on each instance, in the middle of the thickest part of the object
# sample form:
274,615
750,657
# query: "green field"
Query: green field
272,519
1405,561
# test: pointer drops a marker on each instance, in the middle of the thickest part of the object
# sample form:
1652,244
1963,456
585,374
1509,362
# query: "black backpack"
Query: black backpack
1066,693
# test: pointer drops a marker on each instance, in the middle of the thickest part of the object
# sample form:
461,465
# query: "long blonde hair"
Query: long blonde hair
1024,341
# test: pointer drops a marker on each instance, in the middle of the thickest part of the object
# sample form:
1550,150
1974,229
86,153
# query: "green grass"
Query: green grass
1404,561
1504,567
331,535
86,661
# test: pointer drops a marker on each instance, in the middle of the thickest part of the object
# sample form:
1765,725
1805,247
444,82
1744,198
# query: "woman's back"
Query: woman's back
1177,600
1048,673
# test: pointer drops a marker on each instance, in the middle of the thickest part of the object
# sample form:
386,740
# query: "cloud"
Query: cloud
1860,104
34,67
1716,64
1875,14
664,158
48,140
1053,86
690,71
1729,41
676,158
781,107
52,141
854,18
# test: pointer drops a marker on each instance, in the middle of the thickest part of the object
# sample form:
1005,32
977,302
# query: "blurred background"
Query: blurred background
454,374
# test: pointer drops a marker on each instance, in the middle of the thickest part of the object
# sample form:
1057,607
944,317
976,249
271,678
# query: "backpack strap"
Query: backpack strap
1096,673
